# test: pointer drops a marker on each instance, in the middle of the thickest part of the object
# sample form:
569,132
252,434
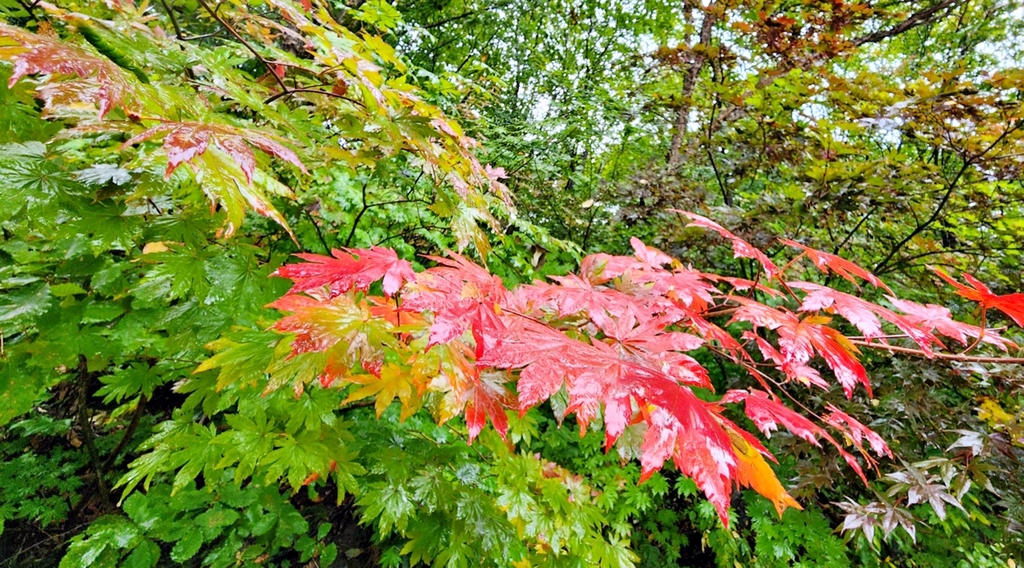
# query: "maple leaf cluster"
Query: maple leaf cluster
616,338
95,86
98,81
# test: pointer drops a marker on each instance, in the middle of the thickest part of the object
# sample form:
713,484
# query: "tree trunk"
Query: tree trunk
689,82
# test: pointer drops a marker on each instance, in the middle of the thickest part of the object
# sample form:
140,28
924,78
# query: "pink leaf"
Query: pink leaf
740,247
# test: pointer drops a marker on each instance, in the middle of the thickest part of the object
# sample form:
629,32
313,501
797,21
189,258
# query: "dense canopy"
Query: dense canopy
505,283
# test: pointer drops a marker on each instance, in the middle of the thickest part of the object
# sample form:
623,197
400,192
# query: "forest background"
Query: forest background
168,397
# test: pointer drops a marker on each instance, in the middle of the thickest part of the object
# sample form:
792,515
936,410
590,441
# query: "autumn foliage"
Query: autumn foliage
508,256
617,340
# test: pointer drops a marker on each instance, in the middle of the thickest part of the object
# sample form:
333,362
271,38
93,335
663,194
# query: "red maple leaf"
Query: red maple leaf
573,295
600,268
862,314
649,256
857,431
486,398
394,312
184,141
938,319
794,371
685,286
740,247
768,414
800,339
1010,304
650,344
829,262
462,295
347,269
378,263
476,392
690,435
679,425
544,355
712,332
319,271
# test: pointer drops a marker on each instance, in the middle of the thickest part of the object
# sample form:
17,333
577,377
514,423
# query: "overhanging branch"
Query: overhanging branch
926,16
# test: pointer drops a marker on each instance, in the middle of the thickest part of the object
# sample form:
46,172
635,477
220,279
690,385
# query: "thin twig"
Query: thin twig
28,8
359,216
319,234
294,90
202,36
85,424
951,186
174,20
128,433
943,356
242,40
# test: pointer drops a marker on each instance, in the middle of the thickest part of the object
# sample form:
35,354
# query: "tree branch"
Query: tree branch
292,91
242,40
128,433
943,356
968,162
319,233
854,230
921,18
174,20
689,82
29,8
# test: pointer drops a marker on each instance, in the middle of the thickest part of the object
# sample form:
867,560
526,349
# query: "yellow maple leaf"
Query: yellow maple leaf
990,411
394,381
753,472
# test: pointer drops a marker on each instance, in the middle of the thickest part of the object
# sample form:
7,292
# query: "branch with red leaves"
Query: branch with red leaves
617,339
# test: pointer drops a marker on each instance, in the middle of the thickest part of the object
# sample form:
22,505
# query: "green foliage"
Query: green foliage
35,482
221,524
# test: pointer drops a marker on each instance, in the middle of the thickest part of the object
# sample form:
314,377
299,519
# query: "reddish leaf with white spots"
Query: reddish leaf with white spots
831,263
768,414
799,339
184,141
575,295
740,247
939,320
862,314
857,432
